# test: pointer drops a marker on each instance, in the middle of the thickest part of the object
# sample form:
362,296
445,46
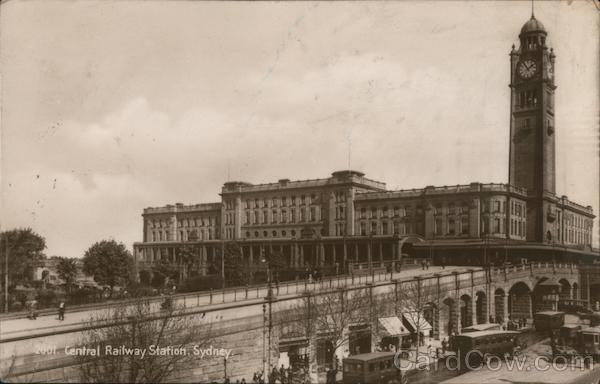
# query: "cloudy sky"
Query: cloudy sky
109,107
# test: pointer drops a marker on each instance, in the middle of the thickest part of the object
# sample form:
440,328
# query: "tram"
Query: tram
472,347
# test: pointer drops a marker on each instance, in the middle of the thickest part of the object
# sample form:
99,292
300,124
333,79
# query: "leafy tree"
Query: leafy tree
138,326
278,264
67,271
188,256
109,262
25,253
236,272
163,270
145,277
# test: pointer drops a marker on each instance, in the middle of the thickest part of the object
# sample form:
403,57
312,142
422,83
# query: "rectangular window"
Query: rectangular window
451,209
451,229
384,228
464,225
438,227
496,226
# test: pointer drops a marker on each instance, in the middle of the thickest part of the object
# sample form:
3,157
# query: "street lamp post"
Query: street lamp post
264,308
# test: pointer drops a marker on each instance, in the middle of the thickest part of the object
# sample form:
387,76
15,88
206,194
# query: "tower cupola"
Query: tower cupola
533,35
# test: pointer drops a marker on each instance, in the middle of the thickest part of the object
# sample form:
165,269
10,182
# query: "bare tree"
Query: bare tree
329,315
167,338
413,298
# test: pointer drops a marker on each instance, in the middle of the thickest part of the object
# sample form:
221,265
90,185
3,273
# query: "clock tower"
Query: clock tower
532,129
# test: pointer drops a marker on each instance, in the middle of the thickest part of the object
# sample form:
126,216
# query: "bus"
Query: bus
374,367
569,334
589,341
548,320
472,347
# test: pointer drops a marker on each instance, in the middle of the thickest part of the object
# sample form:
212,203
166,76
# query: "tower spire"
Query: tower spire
532,14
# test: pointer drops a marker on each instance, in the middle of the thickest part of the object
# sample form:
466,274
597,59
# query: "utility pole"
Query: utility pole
223,262
6,273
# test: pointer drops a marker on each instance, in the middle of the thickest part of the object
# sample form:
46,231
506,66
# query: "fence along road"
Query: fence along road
75,318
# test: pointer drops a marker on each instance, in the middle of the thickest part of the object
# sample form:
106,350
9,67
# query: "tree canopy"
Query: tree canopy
67,270
25,253
109,262
236,272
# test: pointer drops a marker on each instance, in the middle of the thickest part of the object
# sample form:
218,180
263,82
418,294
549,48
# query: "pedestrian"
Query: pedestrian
274,375
282,374
32,309
444,346
427,264
423,264
61,311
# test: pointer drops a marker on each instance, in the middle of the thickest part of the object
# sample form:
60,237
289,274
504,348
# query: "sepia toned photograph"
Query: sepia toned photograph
299,192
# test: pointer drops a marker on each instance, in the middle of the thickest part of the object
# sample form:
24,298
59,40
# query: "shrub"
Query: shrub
140,290
145,277
82,296
200,283
46,297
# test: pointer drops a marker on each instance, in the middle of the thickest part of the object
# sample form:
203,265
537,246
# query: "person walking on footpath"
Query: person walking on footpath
61,311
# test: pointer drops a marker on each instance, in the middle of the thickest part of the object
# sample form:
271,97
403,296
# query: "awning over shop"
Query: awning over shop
393,326
412,317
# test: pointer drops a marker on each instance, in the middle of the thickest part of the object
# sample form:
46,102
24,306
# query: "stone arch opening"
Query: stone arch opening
564,292
519,301
499,297
431,313
576,293
466,311
481,307
448,317
546,294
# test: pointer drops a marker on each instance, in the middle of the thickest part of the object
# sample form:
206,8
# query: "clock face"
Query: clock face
527,69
